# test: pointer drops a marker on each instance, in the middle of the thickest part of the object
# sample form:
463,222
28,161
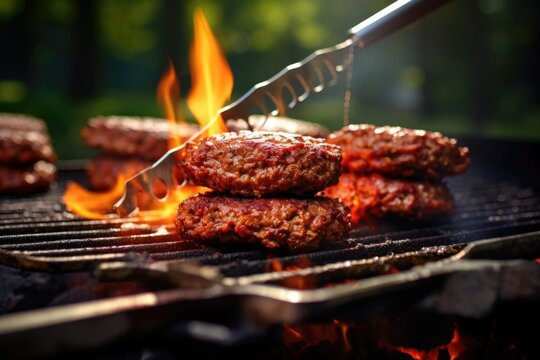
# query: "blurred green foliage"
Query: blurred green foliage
469,68
125,25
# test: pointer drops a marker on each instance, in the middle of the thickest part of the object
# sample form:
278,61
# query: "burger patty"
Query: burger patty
21,122
278,223
103,171
279,124
262,164
396,151
375,196
146,138
25,146
28,179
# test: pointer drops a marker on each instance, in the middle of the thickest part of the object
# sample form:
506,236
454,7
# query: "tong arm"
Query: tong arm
162,170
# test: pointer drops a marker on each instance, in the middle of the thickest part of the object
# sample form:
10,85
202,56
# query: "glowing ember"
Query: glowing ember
295,282
432,354
334,339
454,349
275,265
212,86
299,338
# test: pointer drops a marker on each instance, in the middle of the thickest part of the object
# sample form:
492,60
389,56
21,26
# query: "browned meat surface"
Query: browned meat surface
21,122
23,140
103,171
262,164
396,151
28,179
146,138
375,196
290,224
279,124
23,147
26,155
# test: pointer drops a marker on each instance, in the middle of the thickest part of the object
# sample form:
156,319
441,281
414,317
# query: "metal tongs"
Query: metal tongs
298,80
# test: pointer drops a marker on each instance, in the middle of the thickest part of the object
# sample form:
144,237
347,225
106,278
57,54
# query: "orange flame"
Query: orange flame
166,211
92,205
168,93
212,81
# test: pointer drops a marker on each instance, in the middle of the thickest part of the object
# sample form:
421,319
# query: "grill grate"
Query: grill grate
37,233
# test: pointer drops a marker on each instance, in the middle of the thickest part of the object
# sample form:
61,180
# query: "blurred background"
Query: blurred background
470,68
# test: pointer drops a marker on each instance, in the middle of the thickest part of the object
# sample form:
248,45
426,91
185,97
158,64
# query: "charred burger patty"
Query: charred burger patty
146,138
262,164
276,223
26,179
26,155
24,140
21,122
377,196
24,147
400,152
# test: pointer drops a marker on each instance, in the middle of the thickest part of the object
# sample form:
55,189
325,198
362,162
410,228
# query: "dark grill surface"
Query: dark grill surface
497,199
38,233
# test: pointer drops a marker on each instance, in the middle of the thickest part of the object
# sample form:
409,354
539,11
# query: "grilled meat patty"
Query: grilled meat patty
24,147
26,179
21,122
376,196
279,124
146,138
26,155
23,140
262,164
103,171
396,151
278,223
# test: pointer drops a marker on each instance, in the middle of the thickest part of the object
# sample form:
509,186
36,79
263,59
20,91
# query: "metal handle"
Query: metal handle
391,18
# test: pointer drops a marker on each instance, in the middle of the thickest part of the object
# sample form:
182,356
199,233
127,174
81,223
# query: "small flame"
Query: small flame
299,338
300,282
92,205
212,82
212,79
454,349
168,93
432,354
166,211
456,346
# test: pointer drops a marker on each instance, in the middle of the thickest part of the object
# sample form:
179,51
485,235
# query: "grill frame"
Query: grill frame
256,306
214,292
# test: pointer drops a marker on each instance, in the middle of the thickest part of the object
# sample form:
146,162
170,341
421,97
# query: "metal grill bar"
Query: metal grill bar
40,229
